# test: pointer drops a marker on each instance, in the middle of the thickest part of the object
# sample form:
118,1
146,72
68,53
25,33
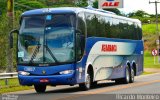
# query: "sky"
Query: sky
134,5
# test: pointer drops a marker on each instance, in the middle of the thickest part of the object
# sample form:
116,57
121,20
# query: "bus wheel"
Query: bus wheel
131,80
40,88
94,84
127,78
87,84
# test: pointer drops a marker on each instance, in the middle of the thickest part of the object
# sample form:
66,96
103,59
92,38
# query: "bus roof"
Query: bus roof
74,10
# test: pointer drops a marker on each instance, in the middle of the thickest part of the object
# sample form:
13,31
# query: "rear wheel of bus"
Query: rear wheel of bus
129,77
40,88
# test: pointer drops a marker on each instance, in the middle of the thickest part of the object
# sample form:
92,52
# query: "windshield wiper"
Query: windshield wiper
52,55
35,53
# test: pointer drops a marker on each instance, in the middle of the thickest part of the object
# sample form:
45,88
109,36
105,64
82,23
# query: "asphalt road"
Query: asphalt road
144,88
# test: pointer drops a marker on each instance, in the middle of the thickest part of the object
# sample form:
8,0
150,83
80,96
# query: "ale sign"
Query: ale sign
105,4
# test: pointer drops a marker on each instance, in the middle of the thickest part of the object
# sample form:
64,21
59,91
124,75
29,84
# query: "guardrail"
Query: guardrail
7,76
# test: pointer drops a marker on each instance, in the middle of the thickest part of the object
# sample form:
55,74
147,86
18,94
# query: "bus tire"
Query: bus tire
87,85
126,80
94,84
40,88
131,80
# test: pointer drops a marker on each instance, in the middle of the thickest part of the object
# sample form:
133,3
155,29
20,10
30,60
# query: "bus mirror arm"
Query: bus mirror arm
11,37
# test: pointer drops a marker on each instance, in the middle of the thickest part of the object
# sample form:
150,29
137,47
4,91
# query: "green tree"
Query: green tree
115,10
3,5
95,4
82,3
138,13
22,5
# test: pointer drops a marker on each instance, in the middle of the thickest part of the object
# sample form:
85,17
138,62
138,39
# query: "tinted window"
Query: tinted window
104,26
115,28
91,21
34,22
100,26
108,29
139,31
81,23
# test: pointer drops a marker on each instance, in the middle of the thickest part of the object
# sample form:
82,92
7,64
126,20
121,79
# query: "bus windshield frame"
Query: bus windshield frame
47,40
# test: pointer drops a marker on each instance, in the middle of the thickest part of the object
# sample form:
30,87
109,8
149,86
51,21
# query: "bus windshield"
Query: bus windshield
46,39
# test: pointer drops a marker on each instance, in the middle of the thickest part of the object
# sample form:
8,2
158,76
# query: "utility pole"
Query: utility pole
156,2
10,14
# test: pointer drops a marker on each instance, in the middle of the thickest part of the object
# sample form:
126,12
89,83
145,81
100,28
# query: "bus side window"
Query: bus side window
100,26
139,31
136,32
115,28
80,35
81,23
91,22
130,33
108,23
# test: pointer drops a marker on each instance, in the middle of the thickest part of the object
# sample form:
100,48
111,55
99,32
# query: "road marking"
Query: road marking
107,90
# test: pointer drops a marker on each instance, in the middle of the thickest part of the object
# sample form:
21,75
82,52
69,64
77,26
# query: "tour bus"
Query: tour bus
69,46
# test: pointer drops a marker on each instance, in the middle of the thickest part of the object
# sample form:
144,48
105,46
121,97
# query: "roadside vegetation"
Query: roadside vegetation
13,85
149,60
147,73
149,29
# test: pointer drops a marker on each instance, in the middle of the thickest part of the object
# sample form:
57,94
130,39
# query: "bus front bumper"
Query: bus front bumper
47,80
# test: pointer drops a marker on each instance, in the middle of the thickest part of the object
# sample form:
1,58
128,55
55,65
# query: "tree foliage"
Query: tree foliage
3,4
3,40
22,5
139,13
82,3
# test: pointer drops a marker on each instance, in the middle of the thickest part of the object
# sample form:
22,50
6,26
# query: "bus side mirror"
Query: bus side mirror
11,37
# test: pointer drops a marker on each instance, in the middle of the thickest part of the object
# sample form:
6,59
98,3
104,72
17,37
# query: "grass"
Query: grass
13,85
150,37
149,60
146,73
149,29
13,89
13,82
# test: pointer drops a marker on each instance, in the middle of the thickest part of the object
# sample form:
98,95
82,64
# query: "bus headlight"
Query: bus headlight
24,73
66,72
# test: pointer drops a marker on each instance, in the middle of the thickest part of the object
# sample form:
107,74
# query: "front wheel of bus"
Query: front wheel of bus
40,88
87,84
